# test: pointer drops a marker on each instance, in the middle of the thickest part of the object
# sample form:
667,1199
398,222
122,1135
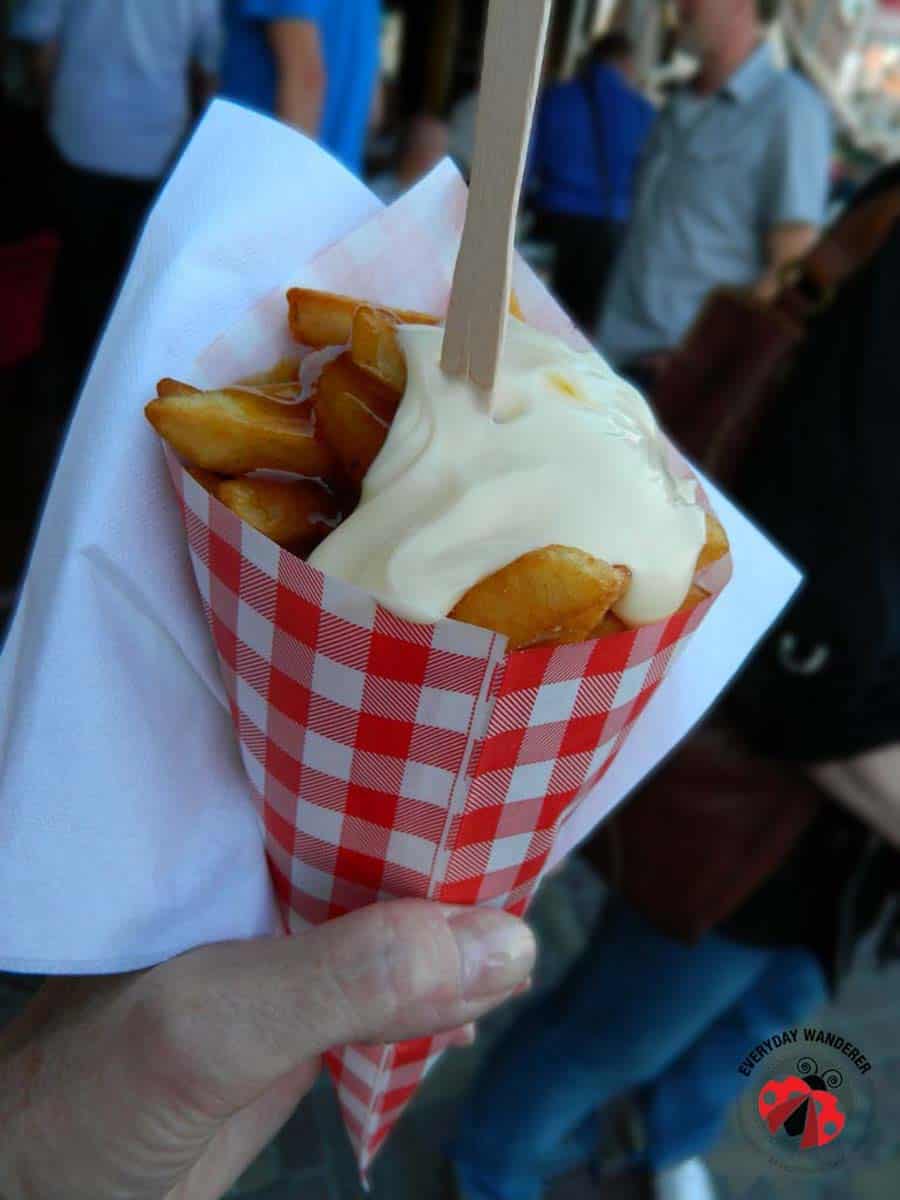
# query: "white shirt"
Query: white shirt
120,102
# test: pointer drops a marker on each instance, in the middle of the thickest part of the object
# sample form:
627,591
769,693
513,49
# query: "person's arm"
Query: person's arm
797,179
869,785
206,57
300,73
379,106
165,1084
784,244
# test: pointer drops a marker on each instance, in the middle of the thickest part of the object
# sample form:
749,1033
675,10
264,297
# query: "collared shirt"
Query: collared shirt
718,173
120,103
349,31
582,161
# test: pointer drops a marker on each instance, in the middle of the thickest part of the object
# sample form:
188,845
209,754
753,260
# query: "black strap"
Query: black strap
598,121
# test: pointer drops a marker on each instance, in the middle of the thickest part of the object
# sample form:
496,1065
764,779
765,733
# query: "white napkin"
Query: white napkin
127,833
763,582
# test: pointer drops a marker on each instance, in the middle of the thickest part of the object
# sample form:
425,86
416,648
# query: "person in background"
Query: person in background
311,63
118,78
461,131
733,185
751,871
423,145
588,138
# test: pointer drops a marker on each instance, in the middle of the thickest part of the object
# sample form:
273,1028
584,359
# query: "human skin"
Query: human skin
166,1083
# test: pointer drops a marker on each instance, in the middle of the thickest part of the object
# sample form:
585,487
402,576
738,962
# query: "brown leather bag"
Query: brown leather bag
721,381
703,833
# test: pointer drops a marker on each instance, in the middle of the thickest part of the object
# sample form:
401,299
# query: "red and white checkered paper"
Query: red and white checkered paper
389,758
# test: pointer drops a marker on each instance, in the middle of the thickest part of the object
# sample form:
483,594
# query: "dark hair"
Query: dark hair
610,47
767,10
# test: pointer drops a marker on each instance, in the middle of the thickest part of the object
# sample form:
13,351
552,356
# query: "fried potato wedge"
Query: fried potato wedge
353,415
174,387
286,370
375,349
696,595
716,544
326,319
553,595
295,513
609,626
208,480
234,431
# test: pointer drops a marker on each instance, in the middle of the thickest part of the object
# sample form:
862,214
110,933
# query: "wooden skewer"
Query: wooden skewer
479,300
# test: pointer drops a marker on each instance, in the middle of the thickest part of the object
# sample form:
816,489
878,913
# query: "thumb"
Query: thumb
240,1015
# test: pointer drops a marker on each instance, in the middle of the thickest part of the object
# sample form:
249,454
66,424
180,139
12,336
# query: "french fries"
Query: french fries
207,479
553,595
326,319
286,370
609,626
174,387
549,596
234,431
296,513
353,415
374,348
696,595
716,544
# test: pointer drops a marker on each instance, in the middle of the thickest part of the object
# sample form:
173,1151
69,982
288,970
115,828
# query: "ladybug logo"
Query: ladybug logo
804,1105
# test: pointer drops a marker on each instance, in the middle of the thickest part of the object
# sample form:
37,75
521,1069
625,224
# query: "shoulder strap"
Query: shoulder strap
721,382
599,125
842,250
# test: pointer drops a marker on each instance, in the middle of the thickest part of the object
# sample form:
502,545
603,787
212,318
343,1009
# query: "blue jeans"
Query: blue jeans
637,1011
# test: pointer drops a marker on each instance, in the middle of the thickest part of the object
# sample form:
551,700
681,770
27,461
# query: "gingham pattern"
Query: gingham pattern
394,759
386,758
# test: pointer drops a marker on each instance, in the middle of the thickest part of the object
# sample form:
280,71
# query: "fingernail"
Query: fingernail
496,951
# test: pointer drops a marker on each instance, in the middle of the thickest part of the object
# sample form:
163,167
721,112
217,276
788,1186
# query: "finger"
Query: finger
239,1140
242,1013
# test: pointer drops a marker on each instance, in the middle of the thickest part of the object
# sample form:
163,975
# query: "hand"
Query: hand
301,79
169,1082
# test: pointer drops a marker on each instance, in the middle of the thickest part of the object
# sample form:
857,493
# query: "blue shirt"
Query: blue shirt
349,32
718,174
120,102
583,166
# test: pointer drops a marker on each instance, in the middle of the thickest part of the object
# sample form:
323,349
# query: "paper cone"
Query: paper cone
390,758
111,701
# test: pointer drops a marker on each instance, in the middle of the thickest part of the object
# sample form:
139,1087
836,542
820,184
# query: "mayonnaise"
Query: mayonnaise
572,457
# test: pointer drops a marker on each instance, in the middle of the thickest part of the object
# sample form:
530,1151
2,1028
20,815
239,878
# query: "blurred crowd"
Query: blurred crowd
100,97
637,210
